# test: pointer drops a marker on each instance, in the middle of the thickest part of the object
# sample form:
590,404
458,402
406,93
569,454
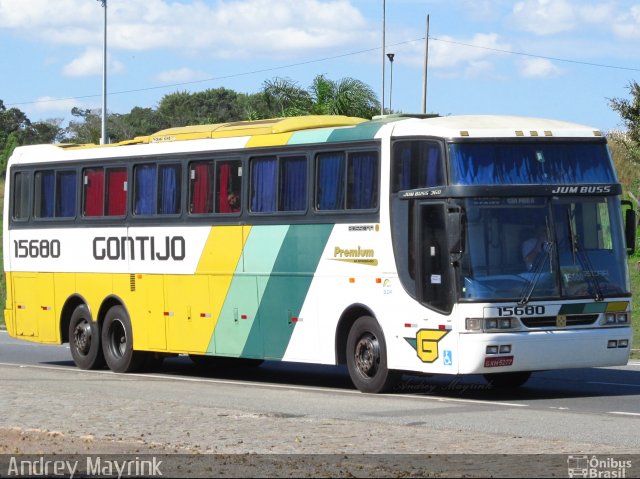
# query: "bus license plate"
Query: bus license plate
498,362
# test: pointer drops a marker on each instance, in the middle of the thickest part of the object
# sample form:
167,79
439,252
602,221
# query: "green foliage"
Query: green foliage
9,145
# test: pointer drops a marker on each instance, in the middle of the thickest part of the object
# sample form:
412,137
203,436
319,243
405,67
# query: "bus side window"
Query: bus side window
44,194
292,189
330,180
228,186
93,192
144,190
201,187
362,186
263,184
66,187
417,164
21,196
116,200
169,182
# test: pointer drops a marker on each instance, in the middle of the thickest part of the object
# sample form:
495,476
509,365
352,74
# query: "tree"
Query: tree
88,127
217,105
629,111
347,96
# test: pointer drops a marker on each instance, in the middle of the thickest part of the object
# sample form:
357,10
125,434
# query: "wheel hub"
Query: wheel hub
367,355
82,337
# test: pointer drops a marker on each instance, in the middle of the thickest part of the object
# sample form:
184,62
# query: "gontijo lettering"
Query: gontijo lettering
139,247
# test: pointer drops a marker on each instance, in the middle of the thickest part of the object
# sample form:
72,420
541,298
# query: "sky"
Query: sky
560,59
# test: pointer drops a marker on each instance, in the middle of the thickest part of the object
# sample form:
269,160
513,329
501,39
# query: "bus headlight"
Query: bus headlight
622,318
610,318
473,324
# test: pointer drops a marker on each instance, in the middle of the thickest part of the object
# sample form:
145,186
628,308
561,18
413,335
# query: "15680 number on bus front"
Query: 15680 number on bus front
36,248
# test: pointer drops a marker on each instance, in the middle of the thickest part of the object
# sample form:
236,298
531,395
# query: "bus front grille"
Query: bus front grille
551,321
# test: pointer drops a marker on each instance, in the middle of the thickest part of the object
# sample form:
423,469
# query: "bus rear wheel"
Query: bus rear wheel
508,380
84,339
117,342
367,357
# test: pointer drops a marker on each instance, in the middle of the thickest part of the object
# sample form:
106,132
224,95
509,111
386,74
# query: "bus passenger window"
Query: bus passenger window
201,187
21,195
417,164
93,192
330,178
228,186
44,200
362,187
144,190
66,187
116,200
292,191
169,181
263,184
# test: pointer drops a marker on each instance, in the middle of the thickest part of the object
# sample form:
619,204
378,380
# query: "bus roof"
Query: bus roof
492,126
307,130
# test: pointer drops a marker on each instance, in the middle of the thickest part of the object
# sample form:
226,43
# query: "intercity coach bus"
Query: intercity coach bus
419,245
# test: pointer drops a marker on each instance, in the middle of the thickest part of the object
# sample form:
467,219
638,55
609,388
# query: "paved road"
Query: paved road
312,409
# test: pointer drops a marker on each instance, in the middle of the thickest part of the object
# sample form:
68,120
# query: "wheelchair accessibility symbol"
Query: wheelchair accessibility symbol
448,357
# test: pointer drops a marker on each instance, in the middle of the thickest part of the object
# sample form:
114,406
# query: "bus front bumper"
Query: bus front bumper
543,350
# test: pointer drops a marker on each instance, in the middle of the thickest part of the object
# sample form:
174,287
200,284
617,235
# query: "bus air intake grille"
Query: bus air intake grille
551,321
132,282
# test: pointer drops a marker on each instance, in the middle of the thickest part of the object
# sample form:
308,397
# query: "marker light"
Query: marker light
612,343
492,349
505,349
623,343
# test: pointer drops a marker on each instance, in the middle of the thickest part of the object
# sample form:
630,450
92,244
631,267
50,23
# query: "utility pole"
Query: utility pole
384,47
426,66
103,138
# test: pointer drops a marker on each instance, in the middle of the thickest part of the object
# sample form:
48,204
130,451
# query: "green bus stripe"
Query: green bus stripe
287,288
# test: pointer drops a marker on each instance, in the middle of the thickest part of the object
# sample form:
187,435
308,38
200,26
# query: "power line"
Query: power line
324,59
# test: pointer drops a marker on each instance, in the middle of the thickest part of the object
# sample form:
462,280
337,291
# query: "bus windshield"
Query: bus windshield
541,162
532,248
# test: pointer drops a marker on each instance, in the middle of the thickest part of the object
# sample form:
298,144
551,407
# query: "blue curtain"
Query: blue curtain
364,188
66,193
169,190
510,163
47,184
263,192
293,184
330,180
145,190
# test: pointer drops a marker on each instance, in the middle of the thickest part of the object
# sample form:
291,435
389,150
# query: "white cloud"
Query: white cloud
221,29
627,25
470,57
181,75
550,17
90,63
47,103
539,68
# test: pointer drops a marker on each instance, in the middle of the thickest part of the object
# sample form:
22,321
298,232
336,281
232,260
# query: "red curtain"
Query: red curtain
201,194
117,194
94,192
223,188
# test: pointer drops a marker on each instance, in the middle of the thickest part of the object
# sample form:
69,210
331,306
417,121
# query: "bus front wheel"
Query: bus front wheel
84,339
367,357
117,342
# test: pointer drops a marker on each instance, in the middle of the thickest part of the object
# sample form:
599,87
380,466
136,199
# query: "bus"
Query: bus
457,245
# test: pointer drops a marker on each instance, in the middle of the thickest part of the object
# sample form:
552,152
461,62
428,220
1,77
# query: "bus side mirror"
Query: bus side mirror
630,222
455,230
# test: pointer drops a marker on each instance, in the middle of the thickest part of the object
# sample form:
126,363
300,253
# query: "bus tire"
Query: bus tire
117,342
367,357
84,340
507,380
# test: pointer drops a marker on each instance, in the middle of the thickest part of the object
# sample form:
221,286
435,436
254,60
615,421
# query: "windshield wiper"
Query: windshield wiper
583,258
537,267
